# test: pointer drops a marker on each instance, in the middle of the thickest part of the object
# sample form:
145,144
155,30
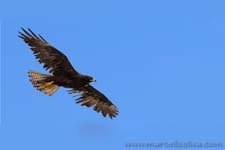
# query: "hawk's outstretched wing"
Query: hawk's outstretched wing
89,96
52,58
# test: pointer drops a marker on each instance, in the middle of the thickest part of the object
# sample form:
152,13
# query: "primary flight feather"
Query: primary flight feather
64,75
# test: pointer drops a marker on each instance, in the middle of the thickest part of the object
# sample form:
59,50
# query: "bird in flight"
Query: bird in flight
62,74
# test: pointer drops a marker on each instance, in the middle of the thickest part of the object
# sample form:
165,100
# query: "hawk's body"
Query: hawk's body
63,74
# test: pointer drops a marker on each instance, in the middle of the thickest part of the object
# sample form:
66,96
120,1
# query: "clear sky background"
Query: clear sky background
162,63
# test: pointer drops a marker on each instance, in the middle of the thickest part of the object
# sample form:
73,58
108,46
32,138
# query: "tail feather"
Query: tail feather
38,80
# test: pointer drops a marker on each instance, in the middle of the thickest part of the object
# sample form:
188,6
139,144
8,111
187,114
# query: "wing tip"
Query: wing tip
28,33
105,109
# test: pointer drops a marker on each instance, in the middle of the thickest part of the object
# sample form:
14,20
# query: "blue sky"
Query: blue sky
160,62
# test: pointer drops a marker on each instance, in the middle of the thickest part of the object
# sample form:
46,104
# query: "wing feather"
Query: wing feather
54,60
89,96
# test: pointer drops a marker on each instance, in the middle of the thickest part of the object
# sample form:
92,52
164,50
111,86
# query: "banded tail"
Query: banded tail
39,81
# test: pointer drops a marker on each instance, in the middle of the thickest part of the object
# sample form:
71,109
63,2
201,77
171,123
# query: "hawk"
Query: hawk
62,74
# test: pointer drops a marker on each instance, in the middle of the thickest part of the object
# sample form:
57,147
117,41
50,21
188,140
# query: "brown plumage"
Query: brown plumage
63,74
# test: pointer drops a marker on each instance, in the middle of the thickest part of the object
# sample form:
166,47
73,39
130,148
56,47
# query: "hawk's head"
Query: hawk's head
88,79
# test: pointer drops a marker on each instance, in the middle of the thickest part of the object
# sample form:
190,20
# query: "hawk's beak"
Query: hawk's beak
93,80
